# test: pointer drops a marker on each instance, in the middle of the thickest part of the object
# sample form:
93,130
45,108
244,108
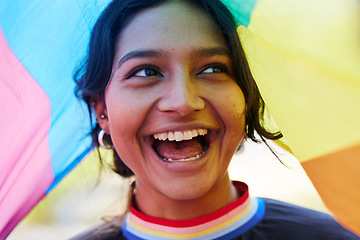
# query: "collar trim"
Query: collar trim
228,222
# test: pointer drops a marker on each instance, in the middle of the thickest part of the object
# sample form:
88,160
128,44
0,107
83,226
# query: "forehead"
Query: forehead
176,25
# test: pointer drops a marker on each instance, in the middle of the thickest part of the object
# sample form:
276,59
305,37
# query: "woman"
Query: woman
170,85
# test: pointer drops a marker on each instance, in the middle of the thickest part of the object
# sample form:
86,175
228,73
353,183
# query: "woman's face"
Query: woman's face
175,114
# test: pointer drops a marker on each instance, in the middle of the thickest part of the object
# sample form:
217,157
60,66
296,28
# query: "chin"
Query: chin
188,189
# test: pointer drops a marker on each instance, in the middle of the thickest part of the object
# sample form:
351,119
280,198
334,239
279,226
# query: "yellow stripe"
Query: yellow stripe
306,62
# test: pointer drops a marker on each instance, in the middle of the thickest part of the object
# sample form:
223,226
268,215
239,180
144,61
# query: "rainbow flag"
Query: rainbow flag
304,56
43,126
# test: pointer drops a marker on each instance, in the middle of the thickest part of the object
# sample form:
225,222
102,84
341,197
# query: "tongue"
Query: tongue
179,150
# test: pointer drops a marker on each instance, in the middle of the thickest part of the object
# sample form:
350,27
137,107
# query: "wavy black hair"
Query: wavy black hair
93,76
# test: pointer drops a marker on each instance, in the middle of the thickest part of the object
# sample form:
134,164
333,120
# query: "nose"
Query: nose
181,95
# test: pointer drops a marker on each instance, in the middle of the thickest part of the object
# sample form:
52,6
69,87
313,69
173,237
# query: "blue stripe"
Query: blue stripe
128,235
248,221
62,174
259,215
50,39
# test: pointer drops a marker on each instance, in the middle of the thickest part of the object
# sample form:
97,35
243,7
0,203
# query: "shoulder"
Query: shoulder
290,220
106,231
286,212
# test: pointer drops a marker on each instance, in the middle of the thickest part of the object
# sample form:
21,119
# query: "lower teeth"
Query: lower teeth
185,159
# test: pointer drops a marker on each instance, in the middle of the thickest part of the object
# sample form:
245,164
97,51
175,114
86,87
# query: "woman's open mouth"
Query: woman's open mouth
181,146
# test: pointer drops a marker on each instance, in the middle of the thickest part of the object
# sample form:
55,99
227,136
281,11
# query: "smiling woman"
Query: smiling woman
170,84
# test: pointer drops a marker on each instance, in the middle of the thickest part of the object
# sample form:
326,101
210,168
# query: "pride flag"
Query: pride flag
304,56
43,127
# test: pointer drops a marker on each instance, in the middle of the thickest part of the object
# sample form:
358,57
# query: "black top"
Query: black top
282,221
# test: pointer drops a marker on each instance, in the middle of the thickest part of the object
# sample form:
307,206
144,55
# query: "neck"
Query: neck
158,205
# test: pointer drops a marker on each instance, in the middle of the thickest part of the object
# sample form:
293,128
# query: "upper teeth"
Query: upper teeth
180,135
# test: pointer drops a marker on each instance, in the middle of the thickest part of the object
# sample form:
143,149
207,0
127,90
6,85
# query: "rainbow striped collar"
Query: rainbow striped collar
226,223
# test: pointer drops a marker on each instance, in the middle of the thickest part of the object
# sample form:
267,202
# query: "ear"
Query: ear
100,110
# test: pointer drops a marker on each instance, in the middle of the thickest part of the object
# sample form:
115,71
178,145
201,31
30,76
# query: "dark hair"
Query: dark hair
93,76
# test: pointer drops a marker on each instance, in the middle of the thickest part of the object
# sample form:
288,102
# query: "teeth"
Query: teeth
186,159
171,136
180,135
188,135
163,136
202,132
194,132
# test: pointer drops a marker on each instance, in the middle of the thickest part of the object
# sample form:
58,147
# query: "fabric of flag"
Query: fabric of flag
304,56
43,126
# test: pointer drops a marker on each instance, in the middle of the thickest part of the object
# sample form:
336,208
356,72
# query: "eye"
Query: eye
144,71
213,70
218,68
147,72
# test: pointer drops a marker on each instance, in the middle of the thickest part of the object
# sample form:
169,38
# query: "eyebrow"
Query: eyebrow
213,51
202,52
140,54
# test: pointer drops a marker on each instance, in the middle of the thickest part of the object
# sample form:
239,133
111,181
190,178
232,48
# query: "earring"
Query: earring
102,116
101,140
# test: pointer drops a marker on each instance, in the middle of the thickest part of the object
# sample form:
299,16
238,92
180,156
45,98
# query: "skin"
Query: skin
182,92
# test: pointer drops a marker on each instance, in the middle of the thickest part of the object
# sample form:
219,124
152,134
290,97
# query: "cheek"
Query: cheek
125,115
233,117
234,108
124,125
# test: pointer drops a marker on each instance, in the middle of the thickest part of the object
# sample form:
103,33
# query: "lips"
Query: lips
181,146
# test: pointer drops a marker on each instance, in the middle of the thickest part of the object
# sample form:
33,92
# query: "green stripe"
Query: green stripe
241,9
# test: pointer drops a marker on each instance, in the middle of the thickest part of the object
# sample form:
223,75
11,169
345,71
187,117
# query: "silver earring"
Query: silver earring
102,116
101,140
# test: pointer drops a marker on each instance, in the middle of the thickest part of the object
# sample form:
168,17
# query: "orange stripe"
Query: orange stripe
336,177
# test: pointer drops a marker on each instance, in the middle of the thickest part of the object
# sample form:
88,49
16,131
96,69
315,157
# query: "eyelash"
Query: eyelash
220,66
136,70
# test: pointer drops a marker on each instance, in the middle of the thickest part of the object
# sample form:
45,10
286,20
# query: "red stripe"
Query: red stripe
240,186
